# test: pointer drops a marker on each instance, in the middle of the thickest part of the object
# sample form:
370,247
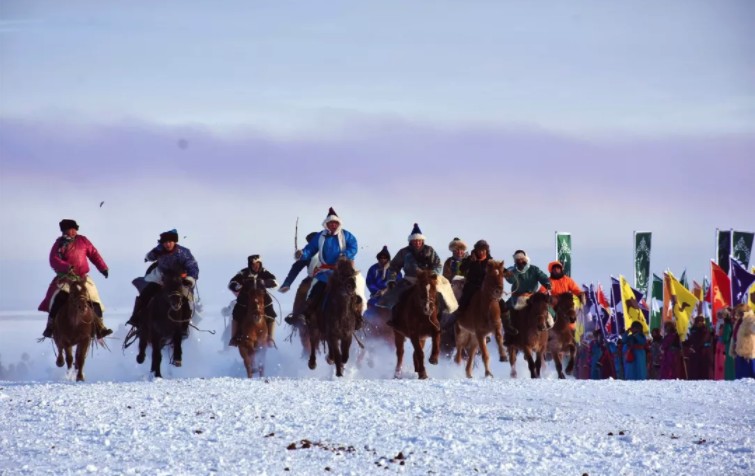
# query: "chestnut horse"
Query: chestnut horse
73,326
168,315
531,322
334,322
561,336
482,317
416,317
252,325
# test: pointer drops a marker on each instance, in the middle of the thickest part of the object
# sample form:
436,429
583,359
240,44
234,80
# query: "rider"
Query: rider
525,278
170,257
296,267
473,268
451,268
331,243
68,256
416,256
377,276
256,271
561,283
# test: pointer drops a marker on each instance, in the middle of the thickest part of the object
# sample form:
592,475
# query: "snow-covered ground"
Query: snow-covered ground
205,417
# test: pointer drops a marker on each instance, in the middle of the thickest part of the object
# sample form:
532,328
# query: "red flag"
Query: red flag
601,297
720,290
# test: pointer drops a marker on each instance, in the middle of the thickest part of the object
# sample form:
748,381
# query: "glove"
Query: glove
105,273
270,283
188,282
236,287
391,284
283,289
297,254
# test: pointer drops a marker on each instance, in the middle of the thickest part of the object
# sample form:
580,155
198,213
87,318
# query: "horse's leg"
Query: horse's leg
313,342
419,356
435,352
60,361
177,349
481,336
81,357
143,341
157,356
246,358
69,357
461,343
334,350
346,348
557,361
398,339
260,354
530,362
572,358
471,354
499,342
539,361
512,360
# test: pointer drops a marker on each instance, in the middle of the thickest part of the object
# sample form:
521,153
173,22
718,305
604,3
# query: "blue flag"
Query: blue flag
741,280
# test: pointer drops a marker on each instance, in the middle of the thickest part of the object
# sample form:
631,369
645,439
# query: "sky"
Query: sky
492,120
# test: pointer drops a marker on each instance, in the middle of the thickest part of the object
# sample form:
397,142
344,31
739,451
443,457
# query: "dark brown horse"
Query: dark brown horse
334,322
481,318
168,316
531,322
416,317
73,327
561,336
252,333
300,303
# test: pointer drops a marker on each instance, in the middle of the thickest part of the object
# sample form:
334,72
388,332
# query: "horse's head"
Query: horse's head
537,306
252,295
565,307
426,285
78,296
494,278
173,283
346,274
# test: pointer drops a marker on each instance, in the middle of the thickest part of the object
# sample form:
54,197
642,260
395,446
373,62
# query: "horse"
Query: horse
252,326
561,336
416,318
300,303
334,322
482,317
74,326
530,321
167,320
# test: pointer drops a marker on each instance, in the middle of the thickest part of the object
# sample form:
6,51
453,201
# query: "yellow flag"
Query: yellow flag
684,305
632,311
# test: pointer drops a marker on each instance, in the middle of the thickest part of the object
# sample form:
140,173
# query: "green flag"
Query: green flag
563,250
642,241
742,246
656,303
723,244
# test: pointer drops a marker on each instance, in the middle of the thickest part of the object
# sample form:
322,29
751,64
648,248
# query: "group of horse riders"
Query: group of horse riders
71,252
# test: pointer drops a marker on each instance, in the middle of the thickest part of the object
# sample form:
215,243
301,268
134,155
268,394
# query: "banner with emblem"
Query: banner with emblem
642,242
741,280
723,249
720,291
741,246
656,303
684,303
563,250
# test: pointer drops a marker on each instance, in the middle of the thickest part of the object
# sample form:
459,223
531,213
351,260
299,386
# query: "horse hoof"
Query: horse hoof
488,374
329,360
177,363
59,362
140,359
433,360
312,365
502,358
423,376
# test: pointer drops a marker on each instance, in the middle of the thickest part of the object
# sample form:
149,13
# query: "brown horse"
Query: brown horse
481,318
300,303
252,327
73,326
531,322
334,322
168,316
416,317
561,336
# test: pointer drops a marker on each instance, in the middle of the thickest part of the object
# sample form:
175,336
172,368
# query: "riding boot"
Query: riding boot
48,330
270,332
506,321
234,338
100,330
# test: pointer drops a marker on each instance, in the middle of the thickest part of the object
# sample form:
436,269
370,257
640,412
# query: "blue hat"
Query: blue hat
416,234
384,253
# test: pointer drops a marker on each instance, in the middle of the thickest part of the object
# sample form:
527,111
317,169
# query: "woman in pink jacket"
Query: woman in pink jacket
70,255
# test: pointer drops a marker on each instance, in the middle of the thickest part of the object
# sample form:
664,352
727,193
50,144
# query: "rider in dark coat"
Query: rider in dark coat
254,270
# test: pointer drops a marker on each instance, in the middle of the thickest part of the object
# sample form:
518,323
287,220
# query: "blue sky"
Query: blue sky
496,120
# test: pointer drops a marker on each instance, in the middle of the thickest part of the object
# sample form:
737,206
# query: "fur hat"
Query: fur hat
416,234
66,224
332,216
253,259
170,235
384,253
457,244
520,254
482,245
553,264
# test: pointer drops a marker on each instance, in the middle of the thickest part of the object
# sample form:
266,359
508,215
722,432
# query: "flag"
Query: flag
656,303
667,311
697,291
683,279
723,240
741,280
631,306
642,260
720,291
607,319
618,309
684,304
741,246
563,250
